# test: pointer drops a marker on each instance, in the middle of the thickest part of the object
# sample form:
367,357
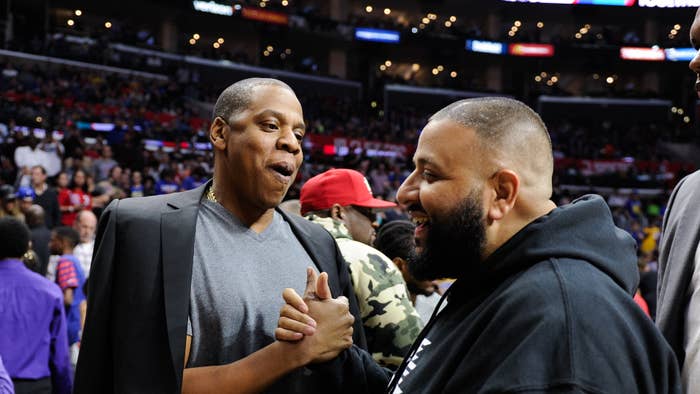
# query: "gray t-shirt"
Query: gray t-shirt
237,280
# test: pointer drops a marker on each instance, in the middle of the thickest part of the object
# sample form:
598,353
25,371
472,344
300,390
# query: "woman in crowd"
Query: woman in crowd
73,199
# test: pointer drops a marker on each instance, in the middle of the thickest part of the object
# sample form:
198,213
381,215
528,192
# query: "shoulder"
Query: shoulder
314,230
152,206
44,287
357,251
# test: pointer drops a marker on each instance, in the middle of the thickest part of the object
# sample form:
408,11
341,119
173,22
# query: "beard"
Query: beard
454,243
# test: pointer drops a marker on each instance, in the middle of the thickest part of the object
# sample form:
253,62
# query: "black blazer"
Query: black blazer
139,293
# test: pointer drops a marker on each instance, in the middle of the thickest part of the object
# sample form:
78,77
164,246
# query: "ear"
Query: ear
217,133
337,212
505,186
400,263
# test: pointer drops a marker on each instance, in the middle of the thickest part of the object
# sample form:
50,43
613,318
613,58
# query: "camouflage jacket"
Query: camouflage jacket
391,322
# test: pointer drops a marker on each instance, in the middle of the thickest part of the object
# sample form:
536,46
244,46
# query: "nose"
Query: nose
408,191
694,64
288,141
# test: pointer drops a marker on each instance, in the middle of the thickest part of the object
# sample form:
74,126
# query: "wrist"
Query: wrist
294,354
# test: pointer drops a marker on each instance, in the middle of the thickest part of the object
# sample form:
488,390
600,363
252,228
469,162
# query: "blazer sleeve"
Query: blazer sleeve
95,362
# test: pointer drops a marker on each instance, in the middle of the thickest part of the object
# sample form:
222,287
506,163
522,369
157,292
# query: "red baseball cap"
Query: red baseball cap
338,186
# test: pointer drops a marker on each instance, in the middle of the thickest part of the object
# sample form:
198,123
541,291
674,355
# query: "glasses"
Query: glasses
366,212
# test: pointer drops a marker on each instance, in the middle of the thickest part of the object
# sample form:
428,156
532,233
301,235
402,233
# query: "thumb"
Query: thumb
311,278
323,292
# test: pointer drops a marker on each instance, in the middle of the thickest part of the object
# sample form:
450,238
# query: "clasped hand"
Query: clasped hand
318,324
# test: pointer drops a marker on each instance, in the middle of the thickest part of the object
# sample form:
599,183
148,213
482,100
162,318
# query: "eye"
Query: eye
299,135
428,176
270,126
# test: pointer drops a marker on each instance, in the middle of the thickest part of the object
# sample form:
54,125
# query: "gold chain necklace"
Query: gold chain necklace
210,193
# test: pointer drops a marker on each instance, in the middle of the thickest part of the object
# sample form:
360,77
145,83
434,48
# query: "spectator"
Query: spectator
167,184
196,179
103,164
201,285
26,196
136,189
480,196
74,199
33,344
70,278
46,196
341,201
40,235
85,224
8,203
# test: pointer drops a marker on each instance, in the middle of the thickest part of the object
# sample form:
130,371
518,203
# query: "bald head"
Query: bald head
35,216
509,134
86,224
237,97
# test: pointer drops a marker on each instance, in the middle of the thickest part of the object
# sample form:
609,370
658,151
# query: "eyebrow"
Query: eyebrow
280,116
425,161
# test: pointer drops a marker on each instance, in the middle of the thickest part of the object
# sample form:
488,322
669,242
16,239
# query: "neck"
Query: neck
256,218
38,189
519,220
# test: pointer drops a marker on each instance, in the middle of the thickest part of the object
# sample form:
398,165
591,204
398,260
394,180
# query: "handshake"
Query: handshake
317,326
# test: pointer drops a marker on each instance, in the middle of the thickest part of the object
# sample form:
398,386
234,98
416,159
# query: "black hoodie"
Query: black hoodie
550,311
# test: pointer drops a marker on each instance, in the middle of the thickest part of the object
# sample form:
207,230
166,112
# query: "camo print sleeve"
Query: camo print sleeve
390,321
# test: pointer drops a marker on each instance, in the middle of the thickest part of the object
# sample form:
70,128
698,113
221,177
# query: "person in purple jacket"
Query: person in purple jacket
6,386
34,342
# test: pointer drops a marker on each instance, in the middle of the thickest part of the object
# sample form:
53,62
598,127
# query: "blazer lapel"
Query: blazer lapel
177,234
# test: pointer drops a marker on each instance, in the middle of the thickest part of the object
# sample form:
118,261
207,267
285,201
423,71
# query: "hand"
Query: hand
333,330
294,322
320,325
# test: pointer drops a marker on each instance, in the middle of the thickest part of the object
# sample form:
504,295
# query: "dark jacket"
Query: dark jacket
138,298
680,237
550,311
49,201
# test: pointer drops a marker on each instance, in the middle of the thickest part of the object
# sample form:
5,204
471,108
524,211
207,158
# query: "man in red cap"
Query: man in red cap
341,201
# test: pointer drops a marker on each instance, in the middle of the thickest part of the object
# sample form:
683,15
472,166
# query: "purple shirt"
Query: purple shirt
34,341
6,386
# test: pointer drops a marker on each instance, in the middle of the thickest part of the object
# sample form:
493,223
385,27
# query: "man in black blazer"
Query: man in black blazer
139,306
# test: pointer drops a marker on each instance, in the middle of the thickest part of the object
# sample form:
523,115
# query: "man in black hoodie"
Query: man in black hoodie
543,296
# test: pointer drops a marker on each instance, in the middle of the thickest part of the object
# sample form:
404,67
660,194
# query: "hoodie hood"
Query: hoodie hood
583,231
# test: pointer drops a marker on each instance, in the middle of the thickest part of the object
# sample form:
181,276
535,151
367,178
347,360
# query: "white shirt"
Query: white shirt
84,254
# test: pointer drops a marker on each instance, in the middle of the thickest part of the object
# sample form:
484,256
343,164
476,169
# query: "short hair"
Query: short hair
396,239
35,216
14,238
69,234
506,127
237,97
494,118
43,170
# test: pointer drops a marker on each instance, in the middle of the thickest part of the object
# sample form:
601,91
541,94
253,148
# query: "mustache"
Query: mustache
415,207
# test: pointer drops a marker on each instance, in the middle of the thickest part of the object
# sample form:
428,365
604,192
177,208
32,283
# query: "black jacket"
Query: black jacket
550,311
138,298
